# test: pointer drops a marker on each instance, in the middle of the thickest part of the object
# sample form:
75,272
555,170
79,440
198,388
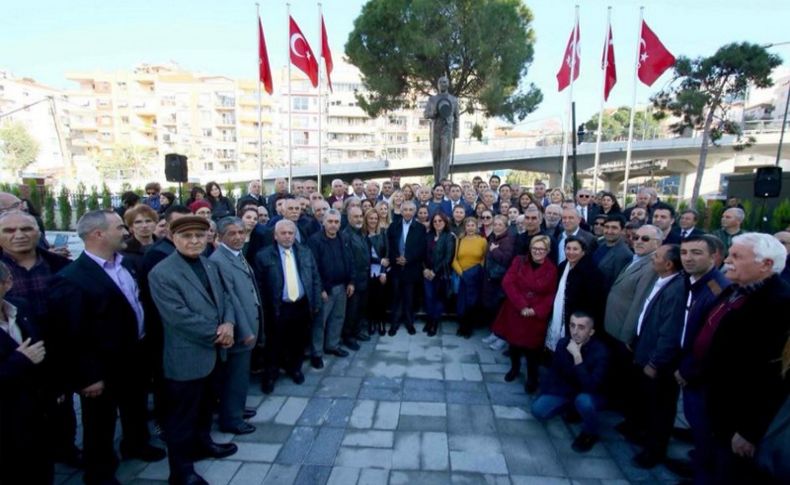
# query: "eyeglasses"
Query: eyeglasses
583,196
643,238
486,217
538,250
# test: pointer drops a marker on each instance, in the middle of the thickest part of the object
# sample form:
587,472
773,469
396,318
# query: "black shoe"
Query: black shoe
191,479
338,352
146,453
243,428
432,331
249,413
216,450
584,442
426,328
681,468
646,460
364,336
511,375
351,344
382,330
316,362
267,385
297,377
411,329
393,330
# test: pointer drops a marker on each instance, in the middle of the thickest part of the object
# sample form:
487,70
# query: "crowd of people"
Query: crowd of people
610,308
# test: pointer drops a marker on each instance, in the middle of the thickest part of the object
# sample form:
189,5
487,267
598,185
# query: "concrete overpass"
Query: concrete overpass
676,156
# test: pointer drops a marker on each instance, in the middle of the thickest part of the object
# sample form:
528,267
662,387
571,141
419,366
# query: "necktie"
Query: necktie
684,234
291,285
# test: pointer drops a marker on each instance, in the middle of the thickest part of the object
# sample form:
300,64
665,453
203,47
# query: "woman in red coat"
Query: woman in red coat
529,284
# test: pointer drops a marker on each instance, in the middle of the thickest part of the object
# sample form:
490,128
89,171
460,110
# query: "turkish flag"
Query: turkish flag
654,58
265,70
325,53
301,54
607,64
570,61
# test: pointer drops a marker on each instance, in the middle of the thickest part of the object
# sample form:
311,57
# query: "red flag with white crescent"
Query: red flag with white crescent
570,61
264,69
654,58
326,54
301,54
607,64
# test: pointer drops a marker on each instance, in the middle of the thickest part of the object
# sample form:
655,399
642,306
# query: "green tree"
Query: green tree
49,210
615,125
106,197
81,201
17,148
64,207
93,200
484,47
780,218
700,93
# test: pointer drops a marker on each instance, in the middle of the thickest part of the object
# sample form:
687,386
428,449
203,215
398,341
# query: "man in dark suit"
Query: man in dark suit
570,224
25,444
656,353
614,255
291,291
586,206
664,219
687,225
253,196
456,199
242,287
407,251
97,300
198,322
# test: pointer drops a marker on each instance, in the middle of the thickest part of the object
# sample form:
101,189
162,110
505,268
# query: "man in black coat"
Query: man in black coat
356,306
656,353
25,402
614,254
407,252
97,300
742,343
288,309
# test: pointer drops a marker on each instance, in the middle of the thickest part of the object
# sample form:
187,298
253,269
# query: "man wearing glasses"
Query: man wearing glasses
624,304
586,207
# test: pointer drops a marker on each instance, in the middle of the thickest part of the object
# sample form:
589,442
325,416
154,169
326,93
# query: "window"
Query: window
300,103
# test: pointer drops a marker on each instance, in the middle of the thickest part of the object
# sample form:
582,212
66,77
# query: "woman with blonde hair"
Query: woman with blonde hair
379,265
470,254
383,210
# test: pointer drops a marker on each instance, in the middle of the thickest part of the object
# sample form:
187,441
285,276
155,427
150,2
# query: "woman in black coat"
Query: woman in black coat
220,205
379,265
439,253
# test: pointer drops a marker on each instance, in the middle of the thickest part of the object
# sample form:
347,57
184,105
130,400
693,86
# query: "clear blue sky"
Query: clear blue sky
44,39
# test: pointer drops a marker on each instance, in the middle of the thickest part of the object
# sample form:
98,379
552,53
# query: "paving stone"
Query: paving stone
584,467
371,438
343,475
313,475
424,370
409,408
298,445
220,472
315,412
251,474
291,410
158,470
465,419
281,475
422,423
406,454
373,476
325,446
364,457
434,451
362,414
494,368
423,384
266,433
385,382
268,409
511,412
381,394
339,413
265,452
388,369
288,388
338,386
480,462
538,480
464,397
127,470
467,478
527,456
525,429
424,395
398,477
387,414
254,401
465,386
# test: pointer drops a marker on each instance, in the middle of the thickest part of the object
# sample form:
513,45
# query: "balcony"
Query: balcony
224,103
226,121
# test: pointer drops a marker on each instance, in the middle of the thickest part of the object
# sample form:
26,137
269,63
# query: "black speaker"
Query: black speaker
768,182
176,167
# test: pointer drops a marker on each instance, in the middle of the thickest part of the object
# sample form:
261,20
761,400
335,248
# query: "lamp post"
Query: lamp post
787,104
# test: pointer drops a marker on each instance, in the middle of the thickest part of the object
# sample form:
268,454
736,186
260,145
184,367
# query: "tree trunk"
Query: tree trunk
703,153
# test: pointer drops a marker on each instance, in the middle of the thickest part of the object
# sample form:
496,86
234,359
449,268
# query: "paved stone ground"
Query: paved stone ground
407,410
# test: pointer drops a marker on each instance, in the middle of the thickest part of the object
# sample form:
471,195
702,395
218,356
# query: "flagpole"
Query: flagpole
603,95
633,108
260,130
570,96
290,102
321,50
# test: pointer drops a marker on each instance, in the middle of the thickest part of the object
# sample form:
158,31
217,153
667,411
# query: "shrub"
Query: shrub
93,199
81,202
49,210
780,218
64,207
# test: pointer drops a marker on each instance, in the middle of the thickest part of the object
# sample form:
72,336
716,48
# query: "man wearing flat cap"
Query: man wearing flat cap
198,322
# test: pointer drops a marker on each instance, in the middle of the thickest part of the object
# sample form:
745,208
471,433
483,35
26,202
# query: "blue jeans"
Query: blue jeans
434,306
546,406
